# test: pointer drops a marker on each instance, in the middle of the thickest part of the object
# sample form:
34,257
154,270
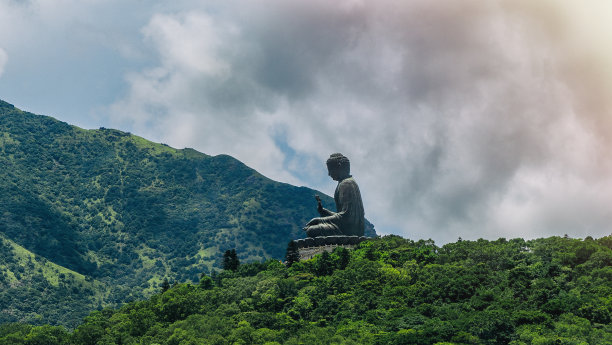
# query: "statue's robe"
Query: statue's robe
349,220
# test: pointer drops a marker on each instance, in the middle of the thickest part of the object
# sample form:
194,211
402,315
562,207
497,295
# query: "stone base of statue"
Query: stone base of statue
311,246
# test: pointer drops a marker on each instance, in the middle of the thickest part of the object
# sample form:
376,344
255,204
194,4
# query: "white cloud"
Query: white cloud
190,44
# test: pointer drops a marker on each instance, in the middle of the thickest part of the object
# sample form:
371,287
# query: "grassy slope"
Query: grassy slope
26,279
24,258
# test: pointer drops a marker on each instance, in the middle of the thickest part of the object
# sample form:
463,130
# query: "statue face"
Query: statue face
336,174
333,173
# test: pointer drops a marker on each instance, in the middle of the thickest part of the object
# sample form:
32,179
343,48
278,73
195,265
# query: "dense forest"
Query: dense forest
118,214
388,290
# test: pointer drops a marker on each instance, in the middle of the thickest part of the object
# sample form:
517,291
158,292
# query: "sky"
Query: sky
472,119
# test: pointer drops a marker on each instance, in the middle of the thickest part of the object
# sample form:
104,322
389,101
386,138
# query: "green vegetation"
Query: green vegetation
122,214
386,291
32,286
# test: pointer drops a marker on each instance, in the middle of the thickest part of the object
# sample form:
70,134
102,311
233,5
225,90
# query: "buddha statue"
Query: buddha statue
348,219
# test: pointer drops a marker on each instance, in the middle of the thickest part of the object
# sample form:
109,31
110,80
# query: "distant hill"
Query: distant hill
388,290
126,213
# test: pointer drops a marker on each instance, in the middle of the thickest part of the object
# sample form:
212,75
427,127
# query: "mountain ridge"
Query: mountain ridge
128,212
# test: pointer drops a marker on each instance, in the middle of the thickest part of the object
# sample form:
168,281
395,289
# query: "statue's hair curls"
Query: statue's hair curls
338,161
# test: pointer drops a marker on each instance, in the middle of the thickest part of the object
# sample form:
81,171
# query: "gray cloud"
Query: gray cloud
3,60
456,116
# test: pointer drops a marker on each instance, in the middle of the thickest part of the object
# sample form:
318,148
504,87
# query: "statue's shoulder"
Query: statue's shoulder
349,181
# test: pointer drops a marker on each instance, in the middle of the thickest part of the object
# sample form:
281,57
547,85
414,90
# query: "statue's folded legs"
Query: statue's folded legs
323,229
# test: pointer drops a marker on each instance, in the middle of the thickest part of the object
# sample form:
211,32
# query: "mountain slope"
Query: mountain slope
128,212
33,289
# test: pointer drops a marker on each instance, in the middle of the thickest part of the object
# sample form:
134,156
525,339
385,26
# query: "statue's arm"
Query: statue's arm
323,212
345,193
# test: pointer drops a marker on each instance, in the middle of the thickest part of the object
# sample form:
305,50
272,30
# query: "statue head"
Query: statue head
338,166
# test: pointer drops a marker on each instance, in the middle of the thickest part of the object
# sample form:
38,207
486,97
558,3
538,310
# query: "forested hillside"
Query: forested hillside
123,213
33,289
387,291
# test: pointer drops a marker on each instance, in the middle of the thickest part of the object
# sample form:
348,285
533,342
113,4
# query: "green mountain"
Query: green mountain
125,213
388,291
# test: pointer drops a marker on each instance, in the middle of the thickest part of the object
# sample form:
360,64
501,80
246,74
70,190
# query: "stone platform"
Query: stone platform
309,247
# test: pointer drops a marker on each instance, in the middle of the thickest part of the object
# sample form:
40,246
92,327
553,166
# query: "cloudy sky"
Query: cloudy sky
461,118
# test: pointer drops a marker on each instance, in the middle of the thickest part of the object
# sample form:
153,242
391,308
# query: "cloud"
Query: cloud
478,119
472,119
3,60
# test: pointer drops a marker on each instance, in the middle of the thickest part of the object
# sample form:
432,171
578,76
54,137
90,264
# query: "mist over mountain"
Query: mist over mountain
125,212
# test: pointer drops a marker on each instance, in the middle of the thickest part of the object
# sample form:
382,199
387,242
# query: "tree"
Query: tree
227,260
230,260
47,335
344,257
293,254
206,282
324,264
165,285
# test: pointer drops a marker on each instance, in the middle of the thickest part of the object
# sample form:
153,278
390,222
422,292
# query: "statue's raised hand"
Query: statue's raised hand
319,205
